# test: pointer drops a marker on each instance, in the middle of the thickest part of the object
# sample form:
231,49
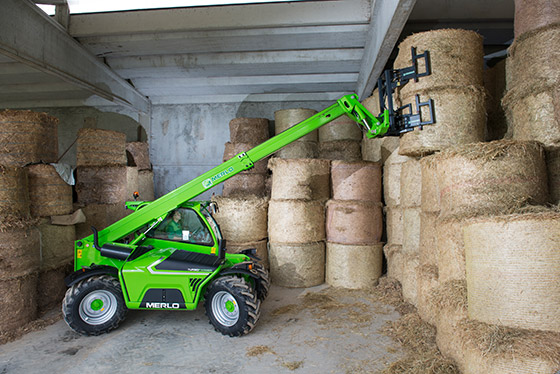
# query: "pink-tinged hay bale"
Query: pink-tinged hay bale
532,15
358,180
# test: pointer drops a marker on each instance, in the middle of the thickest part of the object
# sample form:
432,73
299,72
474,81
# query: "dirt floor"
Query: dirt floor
314,330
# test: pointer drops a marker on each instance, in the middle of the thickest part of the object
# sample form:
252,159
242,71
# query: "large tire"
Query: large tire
232,306
263,283
94,305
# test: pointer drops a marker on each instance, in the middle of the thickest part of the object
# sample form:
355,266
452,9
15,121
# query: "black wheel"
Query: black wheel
263,283
232,306
94,305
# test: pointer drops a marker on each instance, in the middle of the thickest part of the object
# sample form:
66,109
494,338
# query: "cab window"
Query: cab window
183,225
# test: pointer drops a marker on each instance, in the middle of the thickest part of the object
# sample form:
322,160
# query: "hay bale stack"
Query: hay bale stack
409,281
297,264
19,263
427,279
353,266
99,216
57,244
354,222
105,184
342,128
347,150
146,185
450,247
392,178
304,147
248,130
233,149
516,259
488,177
51,288
359,180
14,195
242,219
245,184
553,167
49,194
27,137
300,179
460,115
534,14
98,147
395,261
455,85
138,154
296,221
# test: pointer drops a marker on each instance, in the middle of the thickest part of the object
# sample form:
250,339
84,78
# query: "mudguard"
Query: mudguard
84,273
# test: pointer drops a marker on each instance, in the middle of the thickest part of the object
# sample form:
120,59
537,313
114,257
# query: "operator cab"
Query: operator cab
183,225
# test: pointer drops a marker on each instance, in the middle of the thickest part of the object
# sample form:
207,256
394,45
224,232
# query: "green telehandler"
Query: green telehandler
170,253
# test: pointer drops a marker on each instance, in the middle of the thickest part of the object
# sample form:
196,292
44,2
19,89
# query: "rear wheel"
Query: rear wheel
232,306
94,306
263,283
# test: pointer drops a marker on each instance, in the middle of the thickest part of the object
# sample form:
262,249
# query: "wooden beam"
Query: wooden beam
29,36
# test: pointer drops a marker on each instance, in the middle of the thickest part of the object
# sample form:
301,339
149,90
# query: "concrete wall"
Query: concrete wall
188,140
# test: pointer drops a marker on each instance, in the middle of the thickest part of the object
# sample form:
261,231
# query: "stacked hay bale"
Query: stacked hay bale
304,147
103,181
138,155
532,101
27,137
394,214
455,85
296,221
50,196
243,209
476,182
340,140
354,225
377,149
245,134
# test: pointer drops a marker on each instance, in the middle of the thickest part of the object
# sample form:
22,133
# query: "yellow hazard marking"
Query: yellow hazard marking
213,250
79,253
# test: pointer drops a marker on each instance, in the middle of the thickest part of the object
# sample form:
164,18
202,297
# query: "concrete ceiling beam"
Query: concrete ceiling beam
29,36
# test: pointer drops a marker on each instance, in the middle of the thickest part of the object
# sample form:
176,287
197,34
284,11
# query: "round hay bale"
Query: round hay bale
450,248
138,154
300,179
515,258
553,167
146,185
353,266
14,195
409,282
233,149
286,118
260,246
395,261
102,185
429,199
356,180
242,219
98,147
27,137
297,265
392,178
535,58
354,222
248,130
533,113
342,128
411,230
460,118
49,194
57,244
428,250
427,277
348,150
379,149
411,184
296,221
394,224
51,287
18,301
245,184
299,150
534,14
456,58
19,252
100,216
491,177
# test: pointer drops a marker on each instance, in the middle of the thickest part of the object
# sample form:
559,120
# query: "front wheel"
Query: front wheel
232,306
94,305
